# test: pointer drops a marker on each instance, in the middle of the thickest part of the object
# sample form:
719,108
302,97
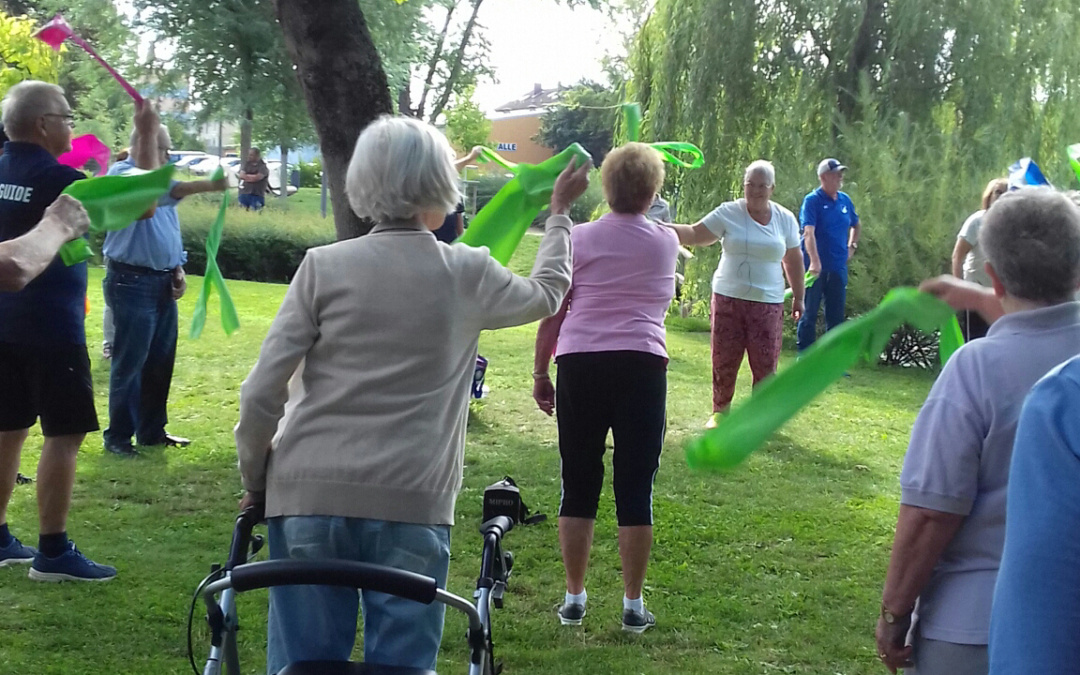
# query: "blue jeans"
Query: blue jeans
143,354
252,201
832,287
318,623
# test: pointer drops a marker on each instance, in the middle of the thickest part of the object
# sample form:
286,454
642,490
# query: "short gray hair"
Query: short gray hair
763,167
26,102
401,167
1032,240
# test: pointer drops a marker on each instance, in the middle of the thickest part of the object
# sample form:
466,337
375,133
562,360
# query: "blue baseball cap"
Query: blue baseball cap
830,164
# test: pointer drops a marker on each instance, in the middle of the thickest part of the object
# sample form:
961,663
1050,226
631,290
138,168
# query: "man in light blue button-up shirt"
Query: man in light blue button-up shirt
144,279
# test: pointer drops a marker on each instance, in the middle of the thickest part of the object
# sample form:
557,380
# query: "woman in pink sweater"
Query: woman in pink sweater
612,375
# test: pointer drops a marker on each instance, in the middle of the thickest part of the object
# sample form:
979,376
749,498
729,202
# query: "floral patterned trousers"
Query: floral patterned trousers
738,327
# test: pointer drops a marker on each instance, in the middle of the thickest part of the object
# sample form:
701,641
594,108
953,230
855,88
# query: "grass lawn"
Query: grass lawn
774,568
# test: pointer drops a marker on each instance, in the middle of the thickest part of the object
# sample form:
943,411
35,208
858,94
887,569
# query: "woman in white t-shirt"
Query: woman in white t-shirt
760,241
968,259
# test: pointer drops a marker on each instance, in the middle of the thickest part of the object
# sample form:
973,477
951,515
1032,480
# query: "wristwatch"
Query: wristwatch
891,618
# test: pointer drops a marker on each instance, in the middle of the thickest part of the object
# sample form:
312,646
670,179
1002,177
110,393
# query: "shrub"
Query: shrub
311,173
266,246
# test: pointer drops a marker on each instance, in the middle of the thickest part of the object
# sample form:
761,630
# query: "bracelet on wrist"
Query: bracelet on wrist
541,376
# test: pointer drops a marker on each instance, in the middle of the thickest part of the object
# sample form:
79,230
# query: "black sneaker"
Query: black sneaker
637,622
121,449
571,614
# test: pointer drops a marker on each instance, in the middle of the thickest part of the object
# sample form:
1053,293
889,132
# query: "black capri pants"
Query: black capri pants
626,392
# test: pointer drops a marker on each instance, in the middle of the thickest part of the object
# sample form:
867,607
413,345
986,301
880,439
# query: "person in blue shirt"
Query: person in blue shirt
143,280
831,231
44,366
1035,619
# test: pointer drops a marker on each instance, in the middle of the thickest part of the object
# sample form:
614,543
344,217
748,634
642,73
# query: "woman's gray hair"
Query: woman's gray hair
401,167
25,103
1032,240
762,167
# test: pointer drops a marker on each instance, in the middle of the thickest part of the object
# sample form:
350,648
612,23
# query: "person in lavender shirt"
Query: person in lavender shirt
612,375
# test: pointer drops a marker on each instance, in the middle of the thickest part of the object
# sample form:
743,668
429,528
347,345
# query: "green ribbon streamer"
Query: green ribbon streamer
1074,158
808,281
777,400
667,149
113,203
213,278
632,115
502,223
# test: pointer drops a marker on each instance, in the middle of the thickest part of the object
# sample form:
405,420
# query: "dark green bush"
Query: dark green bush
311,173
265,246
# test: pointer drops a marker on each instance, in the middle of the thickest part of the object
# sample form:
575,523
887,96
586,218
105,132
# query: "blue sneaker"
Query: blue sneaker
69,566
16,553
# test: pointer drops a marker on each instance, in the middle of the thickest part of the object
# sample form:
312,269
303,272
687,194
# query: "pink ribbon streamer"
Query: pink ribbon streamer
58,30
84,149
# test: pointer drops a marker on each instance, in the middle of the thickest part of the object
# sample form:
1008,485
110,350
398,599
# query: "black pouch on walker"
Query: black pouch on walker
504,499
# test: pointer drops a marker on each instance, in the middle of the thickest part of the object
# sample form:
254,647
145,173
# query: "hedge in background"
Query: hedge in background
266,246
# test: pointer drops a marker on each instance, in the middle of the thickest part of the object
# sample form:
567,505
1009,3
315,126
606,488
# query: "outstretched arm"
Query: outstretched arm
194,187
22,259
693,235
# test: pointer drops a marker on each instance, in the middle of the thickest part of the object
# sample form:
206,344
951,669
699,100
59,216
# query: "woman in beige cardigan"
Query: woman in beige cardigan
369,462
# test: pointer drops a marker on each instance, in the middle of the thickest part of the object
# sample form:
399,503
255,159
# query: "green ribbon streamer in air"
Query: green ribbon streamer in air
213,278
1074,158
113,203
777,400
502,223
667,149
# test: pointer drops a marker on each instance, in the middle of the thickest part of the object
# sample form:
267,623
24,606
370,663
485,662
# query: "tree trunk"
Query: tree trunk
344,86
459,59
858,63
433,62
245,133
283,173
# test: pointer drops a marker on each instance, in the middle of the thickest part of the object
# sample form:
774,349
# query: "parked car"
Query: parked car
209,164
184,158
274,166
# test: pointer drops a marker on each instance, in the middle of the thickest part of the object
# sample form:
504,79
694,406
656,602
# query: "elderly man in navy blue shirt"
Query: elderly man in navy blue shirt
44,366
830,238
143,280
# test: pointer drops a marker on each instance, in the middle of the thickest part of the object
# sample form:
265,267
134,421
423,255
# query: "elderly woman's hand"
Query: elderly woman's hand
544,394
571,184
891,641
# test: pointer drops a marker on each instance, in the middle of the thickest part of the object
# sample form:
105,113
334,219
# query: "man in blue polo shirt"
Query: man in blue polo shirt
143,280
44,366
830,237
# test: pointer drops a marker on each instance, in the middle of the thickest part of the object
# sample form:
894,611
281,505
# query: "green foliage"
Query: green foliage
265,246
586,115
22,57
926,102
466,123
311,173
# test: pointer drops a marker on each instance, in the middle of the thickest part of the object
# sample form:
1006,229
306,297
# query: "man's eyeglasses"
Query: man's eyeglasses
69,119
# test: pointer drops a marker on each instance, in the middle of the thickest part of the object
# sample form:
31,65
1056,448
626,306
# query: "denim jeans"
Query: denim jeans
252,201
318,623
832,287
143,353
